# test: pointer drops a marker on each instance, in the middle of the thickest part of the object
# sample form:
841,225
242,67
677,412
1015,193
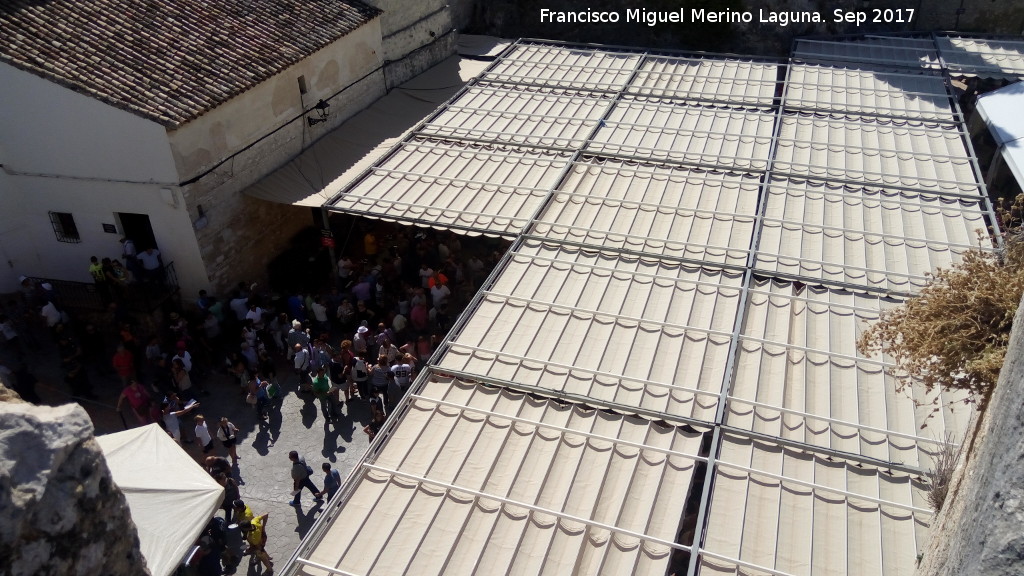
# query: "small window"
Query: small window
64,227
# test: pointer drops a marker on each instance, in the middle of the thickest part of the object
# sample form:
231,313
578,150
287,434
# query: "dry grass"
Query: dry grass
954,334
945,463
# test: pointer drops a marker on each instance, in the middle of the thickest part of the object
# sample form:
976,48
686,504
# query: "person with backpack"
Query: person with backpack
301,361
300,479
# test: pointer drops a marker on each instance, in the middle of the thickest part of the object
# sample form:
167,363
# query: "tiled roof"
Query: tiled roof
169,61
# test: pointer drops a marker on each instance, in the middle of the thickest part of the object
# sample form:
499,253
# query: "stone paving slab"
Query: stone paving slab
264,468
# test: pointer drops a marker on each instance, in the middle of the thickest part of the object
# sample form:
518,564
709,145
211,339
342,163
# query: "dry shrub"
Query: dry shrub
954,334
943,466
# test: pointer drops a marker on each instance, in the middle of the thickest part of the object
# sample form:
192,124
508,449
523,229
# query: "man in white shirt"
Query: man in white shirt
255,314
344,270
320,314
239,305
152,264
425,273
403,375
203,437
439,294
184,356
51,314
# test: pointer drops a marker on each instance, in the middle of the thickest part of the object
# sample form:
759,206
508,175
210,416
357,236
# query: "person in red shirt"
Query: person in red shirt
124,364
138,398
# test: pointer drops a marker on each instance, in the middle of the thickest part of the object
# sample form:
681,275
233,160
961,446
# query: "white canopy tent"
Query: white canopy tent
170,496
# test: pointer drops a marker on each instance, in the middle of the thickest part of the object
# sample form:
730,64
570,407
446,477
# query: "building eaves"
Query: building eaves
169,61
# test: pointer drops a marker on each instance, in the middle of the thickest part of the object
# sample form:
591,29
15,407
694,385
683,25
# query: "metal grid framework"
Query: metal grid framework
852,235
868,91
989,57
417,502
701,249
895,51
688,214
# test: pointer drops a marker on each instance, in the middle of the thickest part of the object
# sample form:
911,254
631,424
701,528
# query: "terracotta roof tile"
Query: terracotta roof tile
169,60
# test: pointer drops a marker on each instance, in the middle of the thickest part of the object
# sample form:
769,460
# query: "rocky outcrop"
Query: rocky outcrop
978,531
61,512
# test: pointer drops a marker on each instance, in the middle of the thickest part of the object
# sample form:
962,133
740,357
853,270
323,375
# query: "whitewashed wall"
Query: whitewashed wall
66,152
49,129
30,245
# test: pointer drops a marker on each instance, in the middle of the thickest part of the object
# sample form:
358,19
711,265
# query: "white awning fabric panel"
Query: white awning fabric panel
744,83
691,134
881,239
887,50
985,57
798,352
478,477
171,498
879,153
691,214
863,91
540,118
564,67
611,328
445,185
823,517
1001,111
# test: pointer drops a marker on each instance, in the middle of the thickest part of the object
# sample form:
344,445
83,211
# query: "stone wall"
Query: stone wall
62,513
521,18
978,531
414,36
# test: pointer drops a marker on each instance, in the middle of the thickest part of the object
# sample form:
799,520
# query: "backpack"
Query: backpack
359,373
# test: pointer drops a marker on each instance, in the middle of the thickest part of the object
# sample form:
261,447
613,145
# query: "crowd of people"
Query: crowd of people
360,337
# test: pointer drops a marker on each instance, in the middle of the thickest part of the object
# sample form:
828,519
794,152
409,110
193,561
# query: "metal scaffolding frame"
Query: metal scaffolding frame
510,76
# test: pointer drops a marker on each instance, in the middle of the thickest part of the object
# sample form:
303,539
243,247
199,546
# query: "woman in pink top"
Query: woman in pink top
138,399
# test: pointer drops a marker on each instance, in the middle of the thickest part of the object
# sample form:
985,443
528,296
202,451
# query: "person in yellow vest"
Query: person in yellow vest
99,277
256,535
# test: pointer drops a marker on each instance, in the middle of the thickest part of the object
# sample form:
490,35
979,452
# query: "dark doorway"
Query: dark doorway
136,228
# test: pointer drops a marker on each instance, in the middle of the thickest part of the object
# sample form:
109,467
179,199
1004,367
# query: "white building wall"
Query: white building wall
52,130
63,151
29,245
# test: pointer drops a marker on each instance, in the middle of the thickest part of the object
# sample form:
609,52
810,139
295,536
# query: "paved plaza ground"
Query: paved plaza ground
263,469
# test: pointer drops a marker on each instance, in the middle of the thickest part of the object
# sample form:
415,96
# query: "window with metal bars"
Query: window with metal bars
64,227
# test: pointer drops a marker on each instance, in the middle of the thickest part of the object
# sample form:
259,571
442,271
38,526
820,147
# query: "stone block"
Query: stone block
62,512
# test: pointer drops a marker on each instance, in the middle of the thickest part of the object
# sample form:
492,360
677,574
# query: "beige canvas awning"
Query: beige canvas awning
699,242
323,169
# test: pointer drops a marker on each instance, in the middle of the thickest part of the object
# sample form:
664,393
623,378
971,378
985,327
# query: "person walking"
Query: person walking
300,479
138,398
226,433
332,481
301,361
203,436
